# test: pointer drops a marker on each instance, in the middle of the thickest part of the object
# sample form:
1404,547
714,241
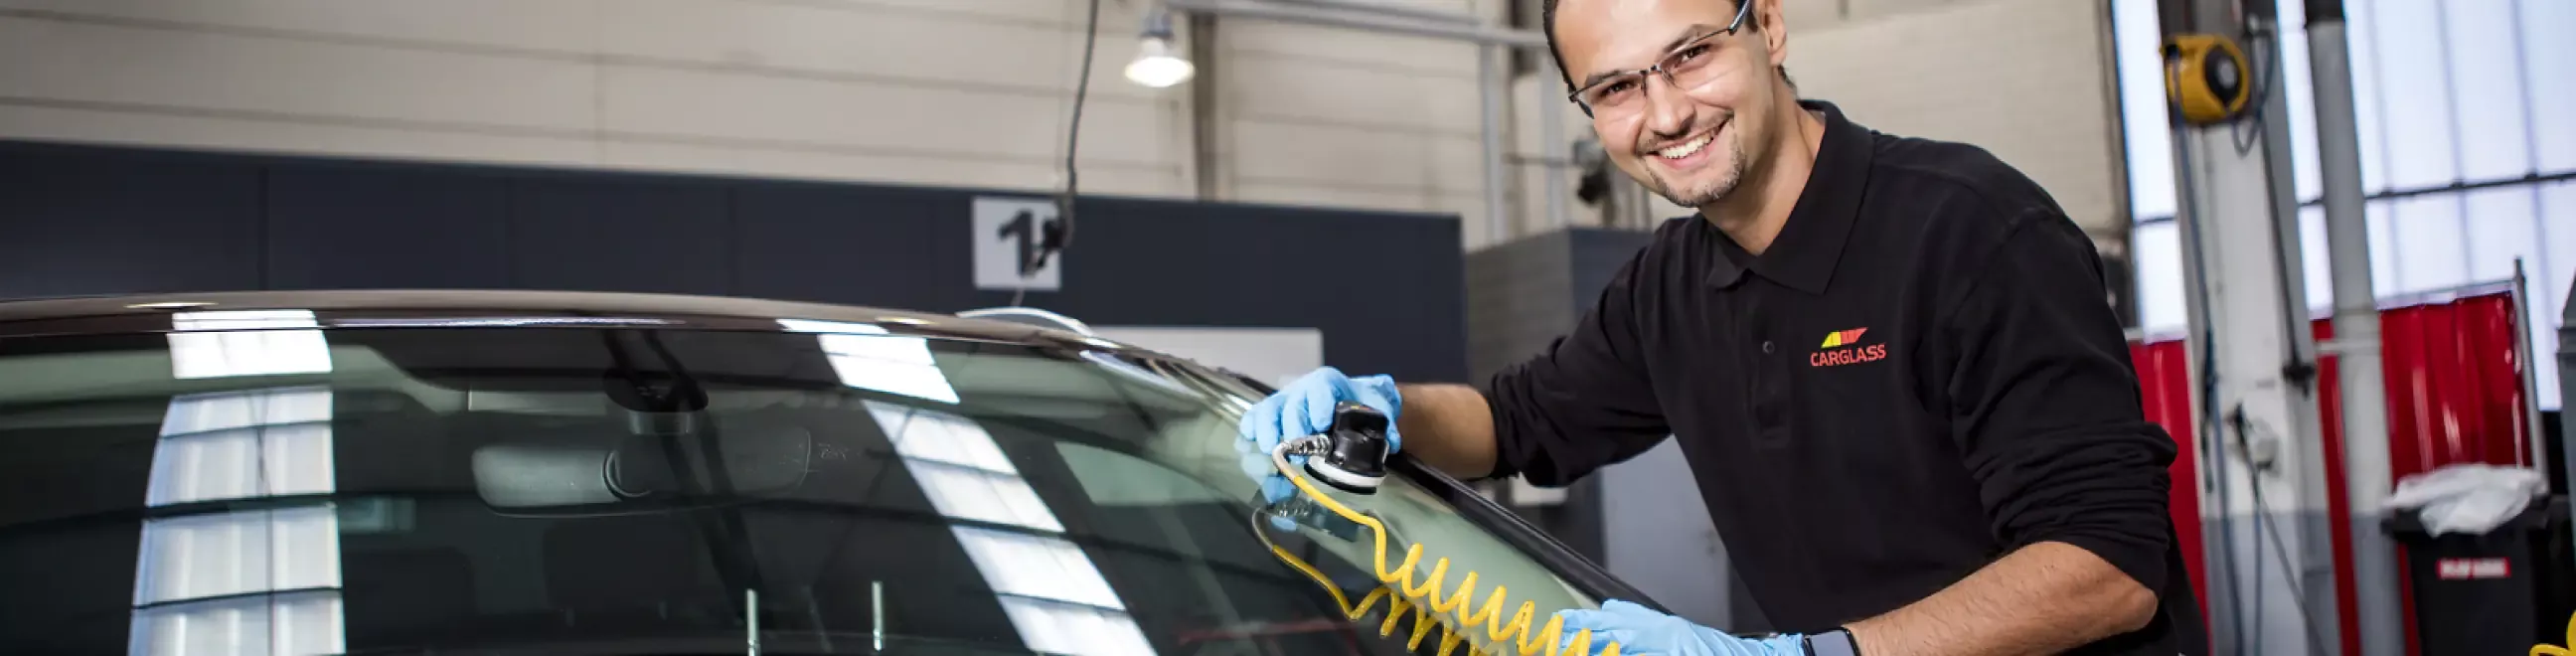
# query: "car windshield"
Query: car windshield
254,484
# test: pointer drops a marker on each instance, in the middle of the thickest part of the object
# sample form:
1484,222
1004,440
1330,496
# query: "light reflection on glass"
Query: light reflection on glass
243,445
1053,593
493,322
294,623
223,343
236,553
869,357
983,496
1024,565
1130,371
248,582
940,437
1060,628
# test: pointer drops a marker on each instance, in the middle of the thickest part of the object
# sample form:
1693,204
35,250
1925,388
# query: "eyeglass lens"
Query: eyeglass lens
1687,69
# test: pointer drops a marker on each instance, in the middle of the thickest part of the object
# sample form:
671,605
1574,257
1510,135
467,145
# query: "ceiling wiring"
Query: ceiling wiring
1054,239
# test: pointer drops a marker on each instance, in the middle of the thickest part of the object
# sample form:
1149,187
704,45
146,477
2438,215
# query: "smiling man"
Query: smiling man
1887,360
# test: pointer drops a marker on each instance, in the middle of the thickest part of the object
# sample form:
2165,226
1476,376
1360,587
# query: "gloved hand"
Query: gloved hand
1640,631
1303,408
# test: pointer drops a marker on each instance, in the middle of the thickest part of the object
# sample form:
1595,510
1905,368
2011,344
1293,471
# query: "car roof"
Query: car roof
349,308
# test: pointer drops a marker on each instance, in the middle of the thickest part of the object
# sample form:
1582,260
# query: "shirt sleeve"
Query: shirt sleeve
2046,404
1586,402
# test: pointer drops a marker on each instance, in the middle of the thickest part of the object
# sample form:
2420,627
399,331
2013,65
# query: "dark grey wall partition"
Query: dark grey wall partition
1386,289
1523,294
1643,519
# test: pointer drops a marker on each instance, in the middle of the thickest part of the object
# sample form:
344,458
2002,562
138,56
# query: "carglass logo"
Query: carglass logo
1843,347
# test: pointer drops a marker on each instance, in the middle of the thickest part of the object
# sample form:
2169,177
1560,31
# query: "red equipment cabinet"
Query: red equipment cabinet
2455,372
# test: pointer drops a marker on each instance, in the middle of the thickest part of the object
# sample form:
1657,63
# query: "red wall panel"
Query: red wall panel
2503,408
2454,376
2164,387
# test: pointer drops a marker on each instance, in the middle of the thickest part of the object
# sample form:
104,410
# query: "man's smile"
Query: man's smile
1687,148
1689,152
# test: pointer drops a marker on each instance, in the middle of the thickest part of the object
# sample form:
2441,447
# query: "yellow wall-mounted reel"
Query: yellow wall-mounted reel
2207,77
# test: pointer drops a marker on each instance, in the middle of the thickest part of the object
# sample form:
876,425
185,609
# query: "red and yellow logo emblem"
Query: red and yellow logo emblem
1843,347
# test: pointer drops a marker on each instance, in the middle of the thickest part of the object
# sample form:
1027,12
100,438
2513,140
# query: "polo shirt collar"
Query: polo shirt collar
1803,257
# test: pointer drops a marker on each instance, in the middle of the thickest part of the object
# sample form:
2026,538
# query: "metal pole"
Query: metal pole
1488,82
2256,393
1204,158
2305,430
1551,137
2226,613
1375,22
2566,388
2380,617
2530,375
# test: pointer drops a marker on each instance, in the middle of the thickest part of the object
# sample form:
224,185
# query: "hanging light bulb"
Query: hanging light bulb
1156,64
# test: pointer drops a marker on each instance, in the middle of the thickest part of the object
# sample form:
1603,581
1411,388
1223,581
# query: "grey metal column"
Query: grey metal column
2305,429
1204,130
1489,87
1554,152
2366,473
2258,393
2567,383
2522,348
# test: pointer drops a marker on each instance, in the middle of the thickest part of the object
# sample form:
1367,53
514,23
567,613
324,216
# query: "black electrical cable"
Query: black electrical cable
1073,134
2210,442
2265,527
2243,138
1062,237
2263,81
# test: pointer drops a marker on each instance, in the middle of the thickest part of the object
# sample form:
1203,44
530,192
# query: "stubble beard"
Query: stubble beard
1711,191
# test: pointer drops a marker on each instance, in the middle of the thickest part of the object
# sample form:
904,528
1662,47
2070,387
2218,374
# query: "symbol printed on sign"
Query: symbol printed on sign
1022,227
1011,239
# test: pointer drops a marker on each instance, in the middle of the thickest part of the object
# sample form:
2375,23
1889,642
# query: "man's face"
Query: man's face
1690,144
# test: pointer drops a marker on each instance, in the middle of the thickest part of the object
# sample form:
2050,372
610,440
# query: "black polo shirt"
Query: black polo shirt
1921,374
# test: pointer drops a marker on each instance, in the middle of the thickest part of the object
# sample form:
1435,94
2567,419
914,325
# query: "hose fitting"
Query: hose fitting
1352,455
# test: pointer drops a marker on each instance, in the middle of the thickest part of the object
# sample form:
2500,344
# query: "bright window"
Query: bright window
2464,170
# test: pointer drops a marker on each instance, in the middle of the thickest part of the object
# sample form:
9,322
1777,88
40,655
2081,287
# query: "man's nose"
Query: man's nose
1668,110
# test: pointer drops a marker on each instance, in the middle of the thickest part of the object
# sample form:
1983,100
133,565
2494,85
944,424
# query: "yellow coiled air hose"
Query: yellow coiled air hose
1424,600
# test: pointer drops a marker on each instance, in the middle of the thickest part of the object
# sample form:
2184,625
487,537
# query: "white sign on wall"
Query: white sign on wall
1008,233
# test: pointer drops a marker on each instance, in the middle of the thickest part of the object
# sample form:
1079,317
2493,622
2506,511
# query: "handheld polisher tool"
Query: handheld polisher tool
1351,454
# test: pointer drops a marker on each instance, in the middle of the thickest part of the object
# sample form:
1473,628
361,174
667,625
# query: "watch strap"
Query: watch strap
1837,642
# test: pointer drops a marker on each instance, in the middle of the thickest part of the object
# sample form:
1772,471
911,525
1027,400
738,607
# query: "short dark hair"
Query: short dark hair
1547,24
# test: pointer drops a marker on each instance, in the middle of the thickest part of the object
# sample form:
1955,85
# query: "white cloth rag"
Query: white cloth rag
2467,498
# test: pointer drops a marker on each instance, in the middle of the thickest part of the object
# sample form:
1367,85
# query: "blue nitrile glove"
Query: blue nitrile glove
1640,631
1303,408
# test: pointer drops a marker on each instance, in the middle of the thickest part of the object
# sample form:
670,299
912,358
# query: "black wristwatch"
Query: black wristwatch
1837,642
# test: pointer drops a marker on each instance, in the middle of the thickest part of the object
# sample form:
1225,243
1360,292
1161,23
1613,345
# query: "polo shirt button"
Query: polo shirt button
1767,347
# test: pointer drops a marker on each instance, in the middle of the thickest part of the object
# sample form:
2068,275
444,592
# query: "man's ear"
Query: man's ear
1773,24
